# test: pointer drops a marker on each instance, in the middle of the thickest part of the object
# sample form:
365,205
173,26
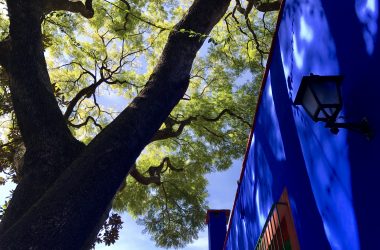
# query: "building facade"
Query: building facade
302,186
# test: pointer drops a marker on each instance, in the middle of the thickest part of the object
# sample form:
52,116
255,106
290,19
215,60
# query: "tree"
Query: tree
70,155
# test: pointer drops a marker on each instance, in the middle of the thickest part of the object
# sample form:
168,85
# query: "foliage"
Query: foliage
96,62
110,231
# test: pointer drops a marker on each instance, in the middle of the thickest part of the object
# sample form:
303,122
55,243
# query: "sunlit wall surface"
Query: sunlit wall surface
332,180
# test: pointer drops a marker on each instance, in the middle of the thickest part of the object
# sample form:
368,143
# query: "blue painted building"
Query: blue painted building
324,186
216,221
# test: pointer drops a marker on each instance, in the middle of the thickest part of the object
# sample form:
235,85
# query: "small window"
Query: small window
279,232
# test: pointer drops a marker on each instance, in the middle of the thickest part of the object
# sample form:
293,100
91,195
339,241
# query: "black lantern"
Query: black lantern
321,98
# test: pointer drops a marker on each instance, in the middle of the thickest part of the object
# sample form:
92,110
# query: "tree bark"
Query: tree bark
142,179
67,214
5,48
267,6
50,147
85,9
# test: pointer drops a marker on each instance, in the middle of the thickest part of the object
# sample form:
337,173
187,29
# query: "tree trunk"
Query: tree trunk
67,214
50,147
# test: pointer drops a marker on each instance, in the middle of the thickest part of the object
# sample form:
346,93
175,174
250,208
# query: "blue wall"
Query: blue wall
217,221
332,180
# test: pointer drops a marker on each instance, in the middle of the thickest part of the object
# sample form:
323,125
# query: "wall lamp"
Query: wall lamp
321,98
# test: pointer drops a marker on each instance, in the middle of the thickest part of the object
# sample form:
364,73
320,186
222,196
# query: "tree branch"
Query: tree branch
259,5
170,166
214,133
106,75
266,6
142,179
87,91
227,111
36,108
85,123
85,9
154,172
169,132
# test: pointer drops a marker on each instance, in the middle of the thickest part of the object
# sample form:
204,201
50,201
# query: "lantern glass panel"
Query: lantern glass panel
326,92
325,114
330,111
321,115
309,102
